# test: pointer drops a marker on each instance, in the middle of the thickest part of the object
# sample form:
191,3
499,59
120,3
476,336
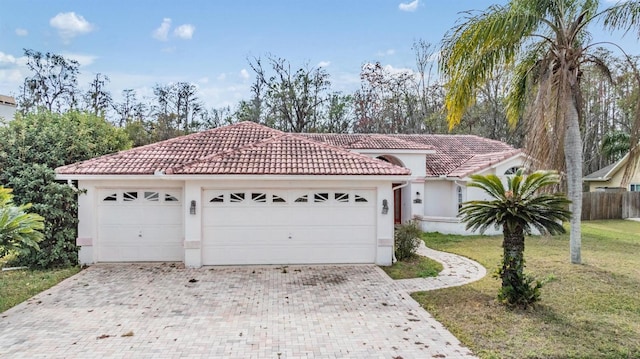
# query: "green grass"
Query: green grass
414,267
19,285
587,311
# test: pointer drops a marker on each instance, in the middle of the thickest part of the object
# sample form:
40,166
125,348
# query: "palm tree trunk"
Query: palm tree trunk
512,257
573,159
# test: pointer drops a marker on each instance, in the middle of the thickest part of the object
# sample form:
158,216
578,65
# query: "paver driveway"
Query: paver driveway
167,311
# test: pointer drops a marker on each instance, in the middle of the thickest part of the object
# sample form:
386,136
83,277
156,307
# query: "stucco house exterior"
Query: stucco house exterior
609,178
248,194
7,107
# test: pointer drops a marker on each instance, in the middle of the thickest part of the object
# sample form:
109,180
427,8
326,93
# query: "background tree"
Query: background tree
97,99
517,209
35,144
293,99
547,42
52,84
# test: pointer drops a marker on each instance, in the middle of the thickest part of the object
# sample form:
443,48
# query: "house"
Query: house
248,194
7,107
609,178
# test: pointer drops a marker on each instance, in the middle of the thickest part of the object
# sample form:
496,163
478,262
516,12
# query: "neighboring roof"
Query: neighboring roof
7,100
605,173
455,155
242,148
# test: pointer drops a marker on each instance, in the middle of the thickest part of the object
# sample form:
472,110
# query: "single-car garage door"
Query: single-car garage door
288,226
139,225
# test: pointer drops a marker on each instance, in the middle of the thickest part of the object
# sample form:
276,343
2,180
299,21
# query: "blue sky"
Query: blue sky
139,43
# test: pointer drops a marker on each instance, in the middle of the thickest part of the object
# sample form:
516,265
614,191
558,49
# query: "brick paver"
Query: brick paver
168,311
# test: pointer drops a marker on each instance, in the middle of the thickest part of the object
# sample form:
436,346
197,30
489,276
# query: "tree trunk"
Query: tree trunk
573,159
513,257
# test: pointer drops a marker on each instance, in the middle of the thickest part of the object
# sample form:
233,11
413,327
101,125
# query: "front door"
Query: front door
397,204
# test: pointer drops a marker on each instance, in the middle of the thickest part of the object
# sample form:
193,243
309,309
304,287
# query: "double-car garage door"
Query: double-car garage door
288,226
261,226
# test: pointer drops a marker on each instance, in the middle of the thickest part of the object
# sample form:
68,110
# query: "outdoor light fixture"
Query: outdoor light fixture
192,209
417,199
385,206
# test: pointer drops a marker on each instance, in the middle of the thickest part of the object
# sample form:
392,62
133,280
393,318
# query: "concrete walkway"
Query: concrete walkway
457,271
164,310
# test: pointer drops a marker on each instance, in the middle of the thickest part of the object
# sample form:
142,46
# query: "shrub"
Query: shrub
407,239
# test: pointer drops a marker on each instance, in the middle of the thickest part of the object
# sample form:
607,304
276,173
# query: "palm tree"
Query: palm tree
517,209
18,229
545,43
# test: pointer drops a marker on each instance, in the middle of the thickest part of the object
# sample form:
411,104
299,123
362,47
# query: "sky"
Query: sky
140,43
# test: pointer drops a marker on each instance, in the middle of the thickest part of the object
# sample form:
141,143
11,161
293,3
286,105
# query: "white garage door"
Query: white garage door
139,225
288,226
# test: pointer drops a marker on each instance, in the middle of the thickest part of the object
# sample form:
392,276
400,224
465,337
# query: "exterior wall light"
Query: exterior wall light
417,199
192,209
385,206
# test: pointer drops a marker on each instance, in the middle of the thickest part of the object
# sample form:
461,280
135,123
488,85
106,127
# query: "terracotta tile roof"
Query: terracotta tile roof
243,148
454,153
482,161
368,141
290,155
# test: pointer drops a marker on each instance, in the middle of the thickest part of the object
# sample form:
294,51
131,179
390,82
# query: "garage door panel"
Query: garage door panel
140,225
304,226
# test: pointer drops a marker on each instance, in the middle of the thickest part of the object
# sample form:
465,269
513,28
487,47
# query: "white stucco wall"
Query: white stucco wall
192,191
441,199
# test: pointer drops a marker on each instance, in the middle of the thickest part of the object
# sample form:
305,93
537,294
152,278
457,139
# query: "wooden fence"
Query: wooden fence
610,205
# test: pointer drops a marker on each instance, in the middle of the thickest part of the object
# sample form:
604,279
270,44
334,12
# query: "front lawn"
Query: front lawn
587,311
414,267
19,285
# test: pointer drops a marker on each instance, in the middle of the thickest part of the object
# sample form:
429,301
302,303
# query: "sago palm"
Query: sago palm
545,43
517,209
18,229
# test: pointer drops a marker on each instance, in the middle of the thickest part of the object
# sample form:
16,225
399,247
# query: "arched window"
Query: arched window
512,170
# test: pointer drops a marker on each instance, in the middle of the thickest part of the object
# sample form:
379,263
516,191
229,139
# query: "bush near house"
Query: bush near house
31,147
407,240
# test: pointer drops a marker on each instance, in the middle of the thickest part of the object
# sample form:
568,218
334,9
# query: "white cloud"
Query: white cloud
388,52
324,63
22,32
69,25
412,6
184,31
162,32
83,60
203,80
13,71
244,74
221,77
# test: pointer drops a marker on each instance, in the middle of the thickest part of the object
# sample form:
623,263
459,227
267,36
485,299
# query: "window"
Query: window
512,170
277,199
236,197
170,198
152,196
321,197
111,198
217,199
341,197
460,196
259,197
634,187
302,199
360,199
129,196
